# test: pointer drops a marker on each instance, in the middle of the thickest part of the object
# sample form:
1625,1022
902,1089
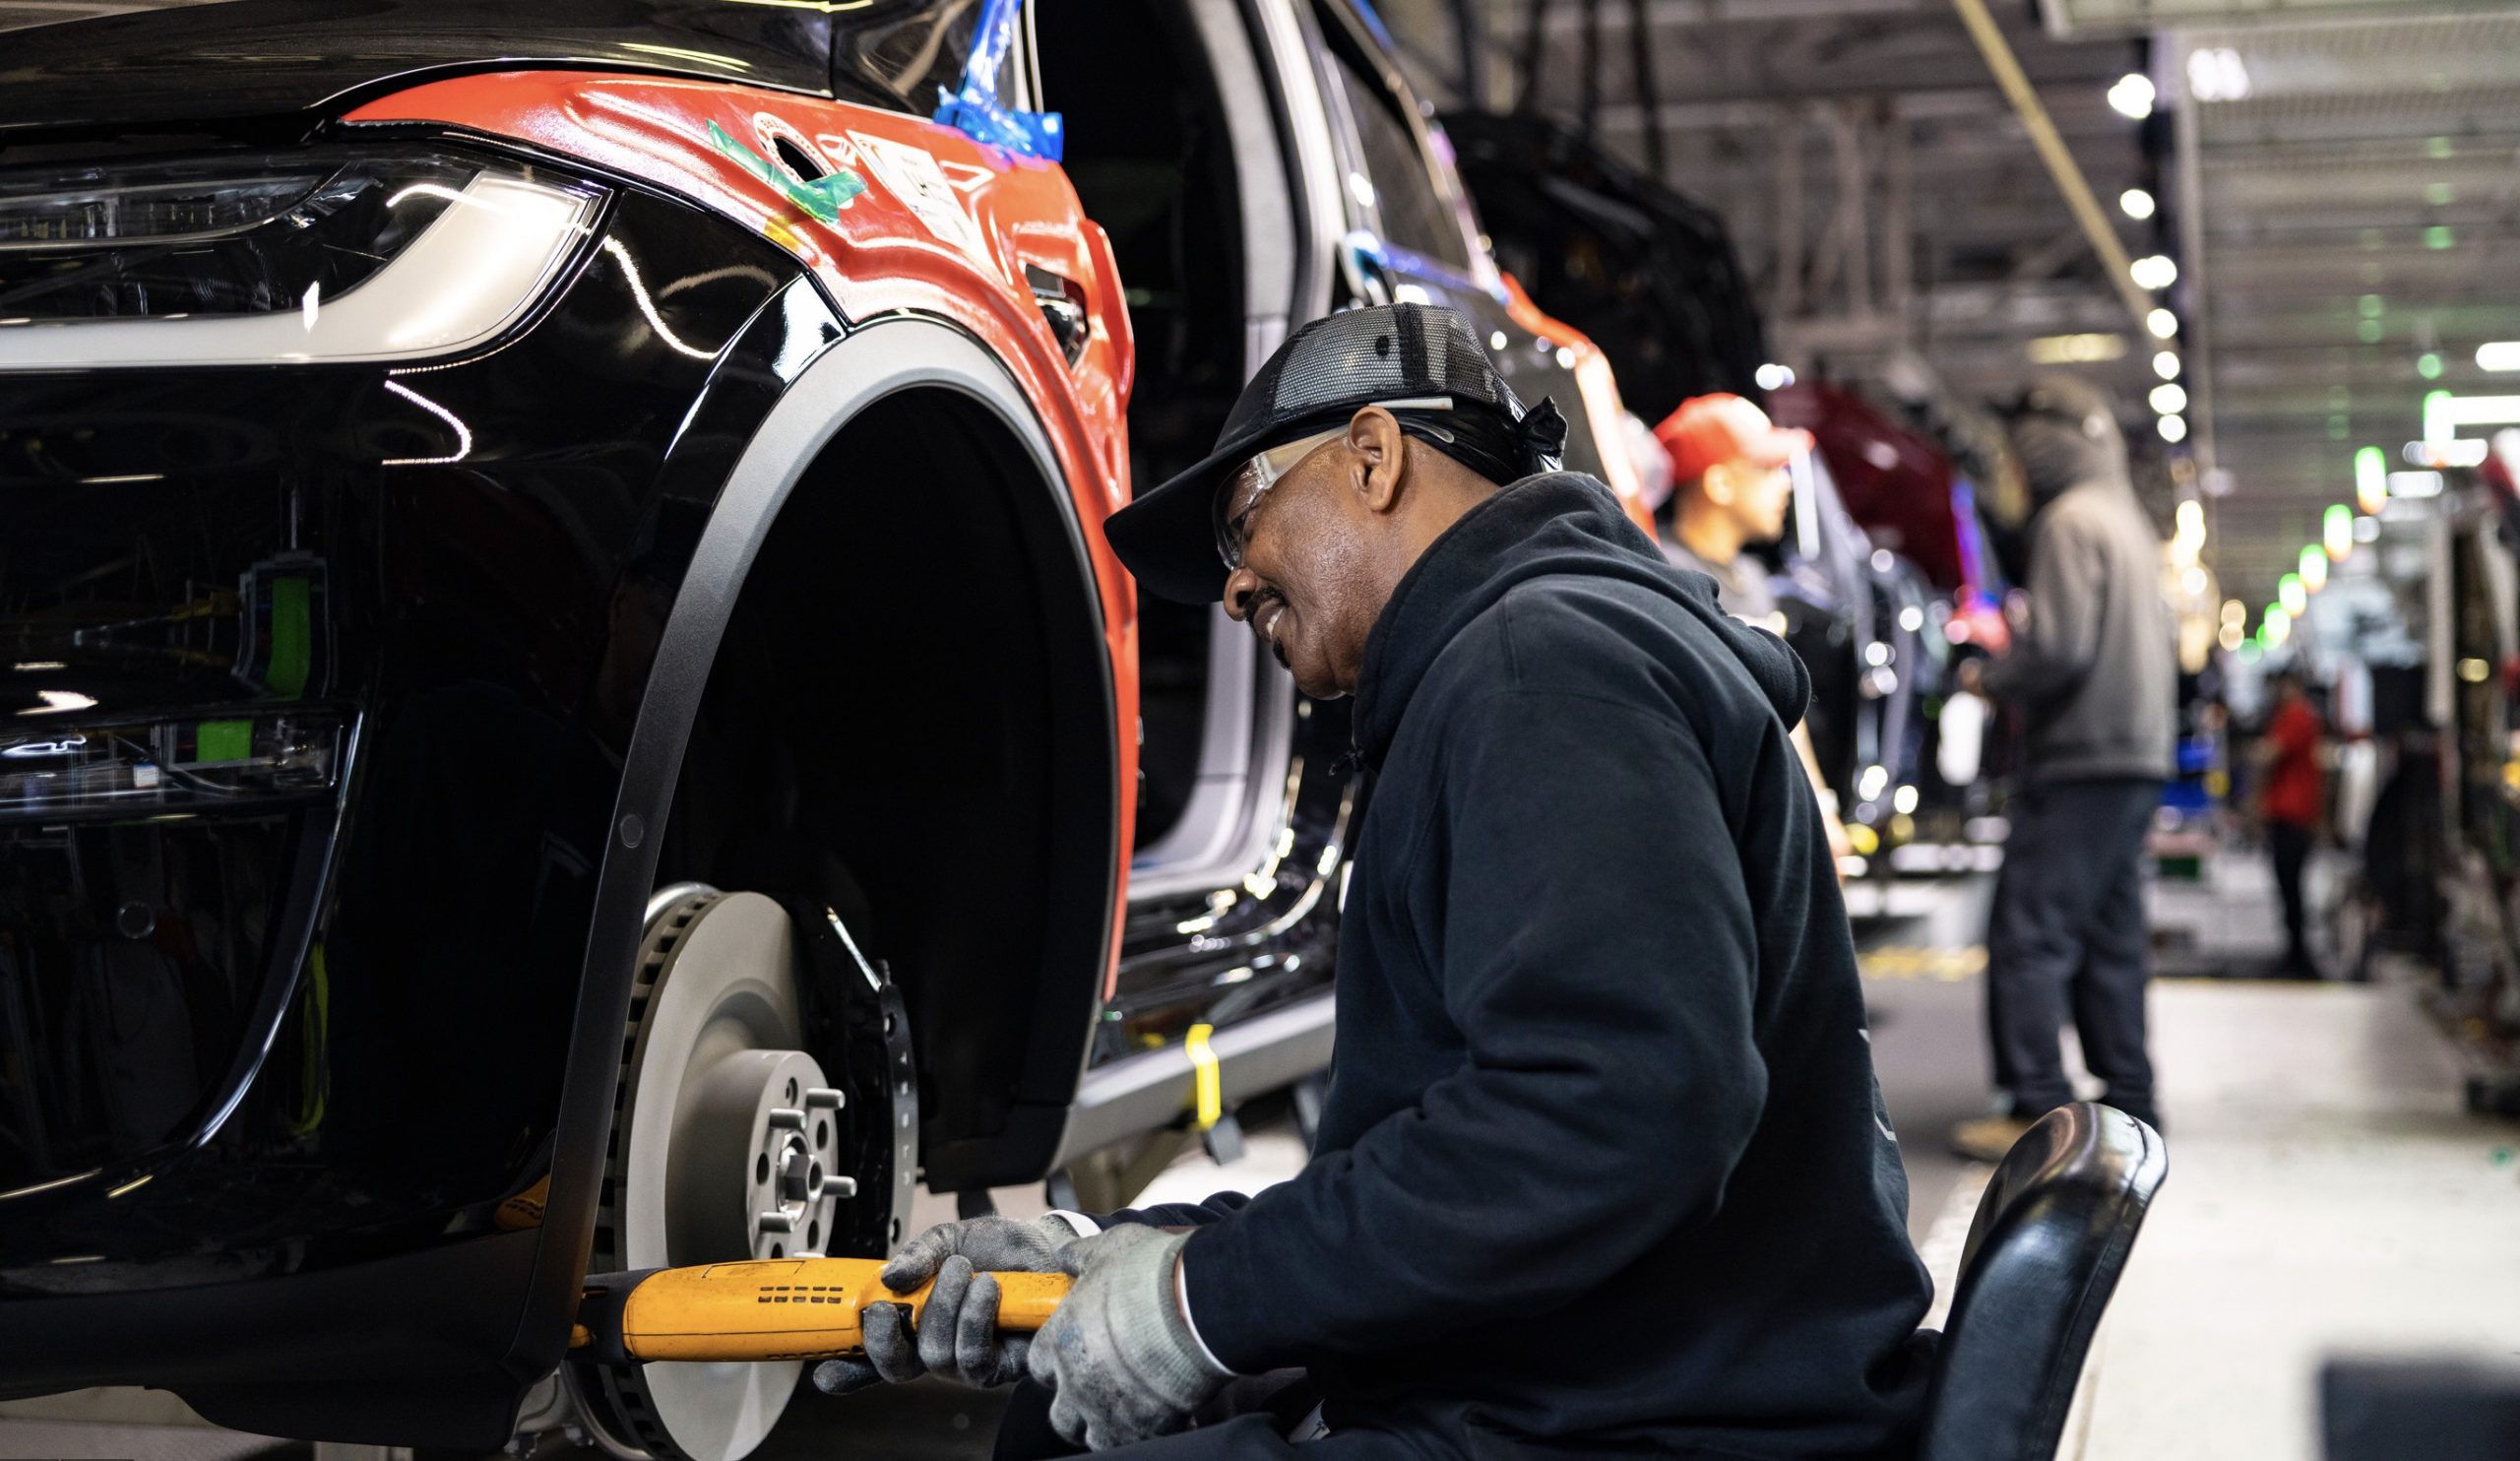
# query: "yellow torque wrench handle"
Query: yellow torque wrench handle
790,1308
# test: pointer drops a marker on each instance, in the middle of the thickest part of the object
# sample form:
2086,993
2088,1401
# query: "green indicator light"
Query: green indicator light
2428,365
293,636
224,740
2439,236
2368,332
2436,147
2371,305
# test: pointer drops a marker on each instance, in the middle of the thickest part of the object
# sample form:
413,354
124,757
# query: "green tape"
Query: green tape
293,636
825,198
224,740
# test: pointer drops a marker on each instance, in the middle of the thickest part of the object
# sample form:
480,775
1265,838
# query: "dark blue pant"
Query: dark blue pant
2291,845
2068,932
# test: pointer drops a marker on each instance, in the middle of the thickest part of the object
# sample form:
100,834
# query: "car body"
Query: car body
686,517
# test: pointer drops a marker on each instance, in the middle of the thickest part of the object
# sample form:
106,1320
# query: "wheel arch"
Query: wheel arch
876,363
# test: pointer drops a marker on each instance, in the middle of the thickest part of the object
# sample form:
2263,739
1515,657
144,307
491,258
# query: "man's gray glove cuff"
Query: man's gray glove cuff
1120,1354
1166,1352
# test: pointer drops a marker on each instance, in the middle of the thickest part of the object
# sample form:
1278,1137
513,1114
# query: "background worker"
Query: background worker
1730,489
1602,1164
2292,800
2092,667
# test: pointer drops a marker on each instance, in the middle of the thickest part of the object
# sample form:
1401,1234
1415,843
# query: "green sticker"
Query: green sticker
825,198
224,740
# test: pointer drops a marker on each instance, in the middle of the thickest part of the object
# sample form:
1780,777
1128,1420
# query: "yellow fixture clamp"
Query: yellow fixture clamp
1208,1076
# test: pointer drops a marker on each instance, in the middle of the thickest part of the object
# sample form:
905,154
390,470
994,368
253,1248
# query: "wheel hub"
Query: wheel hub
725,1148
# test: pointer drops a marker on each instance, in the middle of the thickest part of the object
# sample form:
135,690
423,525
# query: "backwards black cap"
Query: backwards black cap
1323,375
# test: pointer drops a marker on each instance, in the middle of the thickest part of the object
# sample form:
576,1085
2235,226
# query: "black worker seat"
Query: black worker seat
2051,1238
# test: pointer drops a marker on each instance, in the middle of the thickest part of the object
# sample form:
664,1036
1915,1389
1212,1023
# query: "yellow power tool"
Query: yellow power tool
771,1309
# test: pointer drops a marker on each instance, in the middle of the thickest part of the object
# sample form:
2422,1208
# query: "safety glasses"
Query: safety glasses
1251,483
1252,480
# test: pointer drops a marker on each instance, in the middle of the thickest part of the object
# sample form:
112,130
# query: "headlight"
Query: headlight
317,255
168,767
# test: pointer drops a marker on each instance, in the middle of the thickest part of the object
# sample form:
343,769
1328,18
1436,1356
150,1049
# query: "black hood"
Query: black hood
178,62
1560,522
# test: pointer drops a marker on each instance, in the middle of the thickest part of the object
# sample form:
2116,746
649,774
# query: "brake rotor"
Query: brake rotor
725,1146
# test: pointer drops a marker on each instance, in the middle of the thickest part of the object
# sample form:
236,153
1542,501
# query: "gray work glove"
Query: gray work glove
1119,1354
957,1336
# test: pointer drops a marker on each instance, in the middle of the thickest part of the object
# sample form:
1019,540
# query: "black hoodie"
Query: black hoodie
1603,1166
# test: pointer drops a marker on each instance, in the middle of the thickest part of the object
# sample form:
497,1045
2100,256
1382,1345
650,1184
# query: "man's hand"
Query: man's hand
957,1337
1119,1354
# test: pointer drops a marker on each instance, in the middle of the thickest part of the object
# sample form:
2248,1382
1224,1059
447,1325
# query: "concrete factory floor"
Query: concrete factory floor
2329,1196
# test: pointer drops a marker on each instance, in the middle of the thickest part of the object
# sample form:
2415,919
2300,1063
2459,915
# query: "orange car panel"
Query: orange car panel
908,216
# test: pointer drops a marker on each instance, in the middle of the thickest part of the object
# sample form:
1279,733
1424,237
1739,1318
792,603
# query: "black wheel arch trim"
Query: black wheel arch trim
877,358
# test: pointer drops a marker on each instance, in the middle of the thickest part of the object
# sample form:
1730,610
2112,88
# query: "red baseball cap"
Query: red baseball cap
1724,428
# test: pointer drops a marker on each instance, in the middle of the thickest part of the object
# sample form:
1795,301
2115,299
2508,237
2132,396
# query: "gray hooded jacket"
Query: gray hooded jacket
2094,666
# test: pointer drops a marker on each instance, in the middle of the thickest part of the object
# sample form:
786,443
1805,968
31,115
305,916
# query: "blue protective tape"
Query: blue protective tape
975,110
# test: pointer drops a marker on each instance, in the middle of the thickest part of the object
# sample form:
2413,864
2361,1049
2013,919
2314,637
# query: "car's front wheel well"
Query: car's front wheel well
909,718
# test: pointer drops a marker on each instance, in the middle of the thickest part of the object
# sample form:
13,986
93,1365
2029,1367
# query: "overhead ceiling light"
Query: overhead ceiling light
2194,581
2278,624
2076,350
2467,453
2336,530
2498,354
2217,74
2370,478
2415,485
2293,594
2313,567
2166,365
2162,323
2167,399
2133,96
1773,377
2154,272
2137,204
2446,413
2174,429
2234,612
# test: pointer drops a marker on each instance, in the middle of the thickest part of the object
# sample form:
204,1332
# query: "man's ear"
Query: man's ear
1375,435
1719,484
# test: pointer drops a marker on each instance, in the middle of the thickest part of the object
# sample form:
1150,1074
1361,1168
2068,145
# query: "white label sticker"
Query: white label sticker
913,176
